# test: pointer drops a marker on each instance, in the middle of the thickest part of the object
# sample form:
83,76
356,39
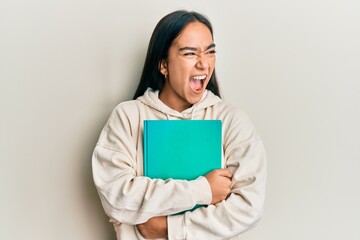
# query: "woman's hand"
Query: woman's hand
155,227
220,183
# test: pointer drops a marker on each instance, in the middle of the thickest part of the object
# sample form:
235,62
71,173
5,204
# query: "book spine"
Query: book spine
145,162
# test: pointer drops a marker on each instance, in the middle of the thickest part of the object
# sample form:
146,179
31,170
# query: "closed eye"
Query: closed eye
189,54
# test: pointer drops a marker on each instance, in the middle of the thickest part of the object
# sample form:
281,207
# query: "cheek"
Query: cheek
212,61
181,70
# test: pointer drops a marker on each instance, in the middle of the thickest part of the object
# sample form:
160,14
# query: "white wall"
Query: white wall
292,65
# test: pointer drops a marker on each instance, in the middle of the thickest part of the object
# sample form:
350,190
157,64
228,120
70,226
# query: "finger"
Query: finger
225,173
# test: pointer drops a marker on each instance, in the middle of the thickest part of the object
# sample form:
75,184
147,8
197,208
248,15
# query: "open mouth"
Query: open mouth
197,82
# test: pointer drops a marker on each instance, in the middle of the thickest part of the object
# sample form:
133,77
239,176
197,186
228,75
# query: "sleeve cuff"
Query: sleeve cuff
176,227
202,191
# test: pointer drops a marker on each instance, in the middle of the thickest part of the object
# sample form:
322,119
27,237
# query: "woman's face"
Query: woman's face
188,68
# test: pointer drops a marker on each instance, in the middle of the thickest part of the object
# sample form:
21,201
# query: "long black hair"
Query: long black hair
168,28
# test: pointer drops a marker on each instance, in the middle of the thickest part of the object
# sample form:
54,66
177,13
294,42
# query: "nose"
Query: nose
202,63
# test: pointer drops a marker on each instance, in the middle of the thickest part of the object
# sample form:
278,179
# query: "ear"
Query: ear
163,68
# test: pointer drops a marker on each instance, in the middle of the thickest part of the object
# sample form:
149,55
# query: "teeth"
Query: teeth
199,77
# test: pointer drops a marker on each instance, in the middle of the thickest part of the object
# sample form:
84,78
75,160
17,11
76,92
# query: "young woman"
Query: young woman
179,82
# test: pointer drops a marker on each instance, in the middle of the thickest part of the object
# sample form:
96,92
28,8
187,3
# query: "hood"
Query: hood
151,99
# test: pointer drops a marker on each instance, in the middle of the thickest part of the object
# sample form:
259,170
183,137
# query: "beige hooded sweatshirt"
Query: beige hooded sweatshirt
129,198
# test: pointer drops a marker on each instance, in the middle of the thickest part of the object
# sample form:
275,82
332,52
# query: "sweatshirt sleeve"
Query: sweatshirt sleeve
246,159
133,199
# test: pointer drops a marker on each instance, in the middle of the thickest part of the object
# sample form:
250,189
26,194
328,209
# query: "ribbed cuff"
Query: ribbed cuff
202,191
176,227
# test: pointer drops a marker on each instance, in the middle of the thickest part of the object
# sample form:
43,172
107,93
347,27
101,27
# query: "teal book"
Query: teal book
181,149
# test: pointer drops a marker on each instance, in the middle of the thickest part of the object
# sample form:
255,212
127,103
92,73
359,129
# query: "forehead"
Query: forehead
195,34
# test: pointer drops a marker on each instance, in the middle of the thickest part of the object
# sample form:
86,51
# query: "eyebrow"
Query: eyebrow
195,49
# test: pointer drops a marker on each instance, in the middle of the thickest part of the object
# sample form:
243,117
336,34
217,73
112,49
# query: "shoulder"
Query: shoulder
123,122
125,114
230,112
236,122
127,106
127,109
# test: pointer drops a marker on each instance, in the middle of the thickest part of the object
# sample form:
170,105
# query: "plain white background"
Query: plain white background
293,66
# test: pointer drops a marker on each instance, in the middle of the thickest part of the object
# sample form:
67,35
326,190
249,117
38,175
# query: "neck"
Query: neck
173,102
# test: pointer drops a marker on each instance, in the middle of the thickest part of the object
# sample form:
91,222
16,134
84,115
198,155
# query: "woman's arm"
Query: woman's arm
220,183
133,199
245,158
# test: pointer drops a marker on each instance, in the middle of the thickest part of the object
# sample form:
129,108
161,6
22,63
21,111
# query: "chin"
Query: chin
195,100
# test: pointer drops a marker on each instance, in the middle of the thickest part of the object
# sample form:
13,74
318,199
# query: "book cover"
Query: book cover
181,149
